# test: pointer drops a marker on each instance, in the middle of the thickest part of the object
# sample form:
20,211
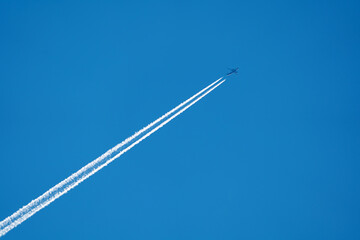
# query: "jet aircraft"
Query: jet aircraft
232,70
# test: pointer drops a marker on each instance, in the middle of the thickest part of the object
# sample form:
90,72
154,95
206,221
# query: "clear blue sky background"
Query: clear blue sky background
271,154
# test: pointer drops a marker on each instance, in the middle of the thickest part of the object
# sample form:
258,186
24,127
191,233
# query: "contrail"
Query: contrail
88,170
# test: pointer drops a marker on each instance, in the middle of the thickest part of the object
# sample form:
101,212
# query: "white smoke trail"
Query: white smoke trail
162,124
66,185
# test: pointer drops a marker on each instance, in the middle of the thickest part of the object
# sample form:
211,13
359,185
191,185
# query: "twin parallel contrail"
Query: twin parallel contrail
91,168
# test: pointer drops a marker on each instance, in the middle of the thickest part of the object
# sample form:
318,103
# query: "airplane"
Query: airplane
232,70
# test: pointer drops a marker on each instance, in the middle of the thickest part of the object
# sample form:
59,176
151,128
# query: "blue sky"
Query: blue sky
271,154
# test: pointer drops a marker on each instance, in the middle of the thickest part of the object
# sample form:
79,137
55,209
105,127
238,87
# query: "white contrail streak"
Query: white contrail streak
88,170
162,124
